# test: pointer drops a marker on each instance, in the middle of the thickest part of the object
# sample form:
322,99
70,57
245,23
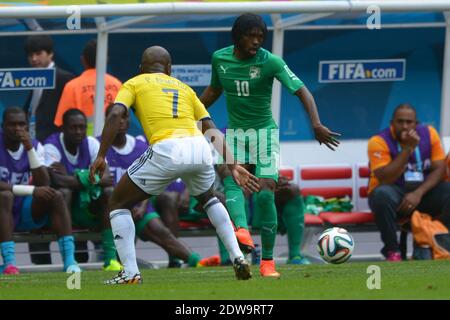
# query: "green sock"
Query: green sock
193,259
109,249
224,256
294,220
235,203
265,200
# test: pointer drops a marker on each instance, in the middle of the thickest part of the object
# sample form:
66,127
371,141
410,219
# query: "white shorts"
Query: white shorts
187,158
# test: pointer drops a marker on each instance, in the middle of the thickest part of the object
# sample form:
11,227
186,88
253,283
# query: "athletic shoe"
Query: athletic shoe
267,269
175,263
393,256
242,269
10,269
245,240
113,265
298,260
443,240
123,278
212,261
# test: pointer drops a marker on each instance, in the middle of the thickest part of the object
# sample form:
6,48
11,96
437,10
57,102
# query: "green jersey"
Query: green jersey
247,85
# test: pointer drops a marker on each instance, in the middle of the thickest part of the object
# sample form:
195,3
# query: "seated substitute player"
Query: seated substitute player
149,226
291,217
25,206
245,72
68,154
168,111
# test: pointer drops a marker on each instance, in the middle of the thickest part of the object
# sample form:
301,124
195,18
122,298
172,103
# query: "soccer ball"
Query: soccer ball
335,245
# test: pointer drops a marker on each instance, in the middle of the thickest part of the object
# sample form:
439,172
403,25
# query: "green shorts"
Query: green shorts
192,214
140,224
259,147
83,217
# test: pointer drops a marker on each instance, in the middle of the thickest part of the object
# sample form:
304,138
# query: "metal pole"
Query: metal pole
100,67
445,94
143,9
277,48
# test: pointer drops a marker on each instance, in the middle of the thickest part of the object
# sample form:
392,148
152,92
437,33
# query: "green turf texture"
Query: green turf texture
407,280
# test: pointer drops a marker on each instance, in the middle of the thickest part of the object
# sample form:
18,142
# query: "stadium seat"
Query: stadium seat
335,181
289,173
313,220
362,180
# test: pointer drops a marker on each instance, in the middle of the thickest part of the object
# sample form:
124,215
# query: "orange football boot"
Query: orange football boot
267,269
212,261
245,240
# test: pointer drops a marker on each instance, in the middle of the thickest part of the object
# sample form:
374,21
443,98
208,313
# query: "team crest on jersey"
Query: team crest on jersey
255,73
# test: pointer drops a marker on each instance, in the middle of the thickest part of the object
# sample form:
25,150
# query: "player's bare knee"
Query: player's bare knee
58,198
165,201
6,198
65,193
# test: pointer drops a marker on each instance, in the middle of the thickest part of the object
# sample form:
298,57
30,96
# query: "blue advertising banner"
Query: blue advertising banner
27,78
194,75
362,70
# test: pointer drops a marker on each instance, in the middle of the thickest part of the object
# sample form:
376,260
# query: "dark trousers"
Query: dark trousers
385,199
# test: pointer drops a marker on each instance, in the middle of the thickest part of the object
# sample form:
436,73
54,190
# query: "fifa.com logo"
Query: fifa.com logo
8,81
247,146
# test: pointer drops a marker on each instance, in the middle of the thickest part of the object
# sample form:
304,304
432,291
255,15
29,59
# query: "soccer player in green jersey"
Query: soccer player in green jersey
245,72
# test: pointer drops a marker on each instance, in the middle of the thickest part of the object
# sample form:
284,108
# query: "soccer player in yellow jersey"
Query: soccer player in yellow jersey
168,110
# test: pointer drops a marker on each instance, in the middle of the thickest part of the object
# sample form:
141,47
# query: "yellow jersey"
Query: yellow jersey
165,106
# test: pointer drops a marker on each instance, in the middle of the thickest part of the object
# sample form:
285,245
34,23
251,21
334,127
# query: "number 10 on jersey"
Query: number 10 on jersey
243,88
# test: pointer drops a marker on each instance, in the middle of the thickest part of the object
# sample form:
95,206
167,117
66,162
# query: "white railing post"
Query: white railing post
100,67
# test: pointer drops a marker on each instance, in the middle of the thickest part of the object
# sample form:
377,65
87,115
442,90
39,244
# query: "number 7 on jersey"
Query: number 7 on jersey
174,101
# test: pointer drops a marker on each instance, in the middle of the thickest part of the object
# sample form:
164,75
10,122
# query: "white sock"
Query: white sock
220,219
124,232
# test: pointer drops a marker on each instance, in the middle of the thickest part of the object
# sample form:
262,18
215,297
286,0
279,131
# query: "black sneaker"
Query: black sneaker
242,269
122,278
443,240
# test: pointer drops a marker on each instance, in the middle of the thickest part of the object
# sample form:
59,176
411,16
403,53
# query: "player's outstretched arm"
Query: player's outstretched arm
210,95
242,177
322,133
110,129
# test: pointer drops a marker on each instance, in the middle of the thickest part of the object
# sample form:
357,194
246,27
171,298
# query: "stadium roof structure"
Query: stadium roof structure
280,16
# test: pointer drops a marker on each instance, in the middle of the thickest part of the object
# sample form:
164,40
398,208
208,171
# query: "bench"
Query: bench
337,180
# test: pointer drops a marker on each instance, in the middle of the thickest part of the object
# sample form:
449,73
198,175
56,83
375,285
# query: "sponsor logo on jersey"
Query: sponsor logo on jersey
27,78
362,70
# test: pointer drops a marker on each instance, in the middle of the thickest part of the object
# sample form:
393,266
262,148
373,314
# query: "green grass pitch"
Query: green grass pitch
407,280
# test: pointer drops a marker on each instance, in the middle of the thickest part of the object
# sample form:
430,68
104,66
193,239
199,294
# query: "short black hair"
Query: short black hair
14,110
245,23
90,53
403,106
72,112
38,43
